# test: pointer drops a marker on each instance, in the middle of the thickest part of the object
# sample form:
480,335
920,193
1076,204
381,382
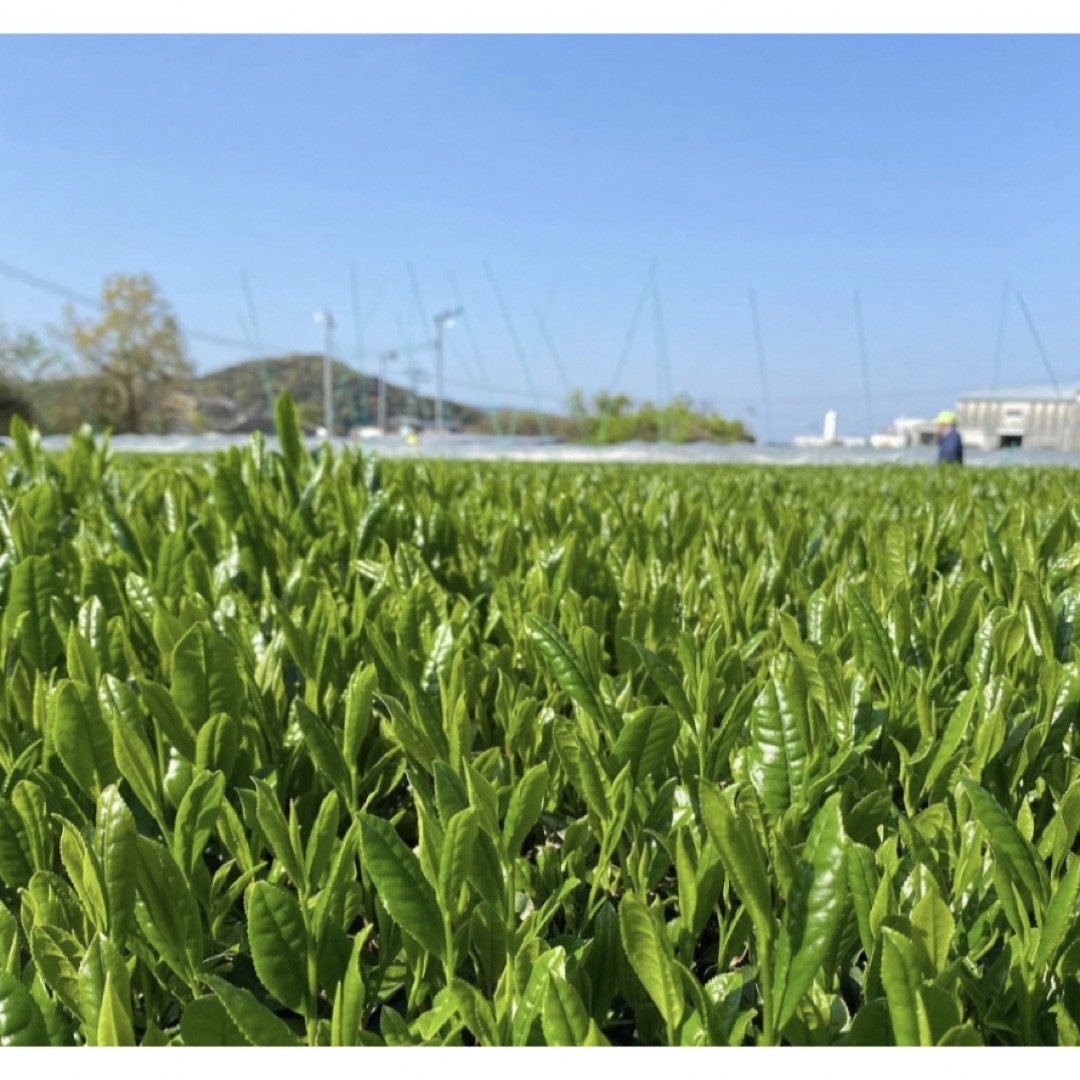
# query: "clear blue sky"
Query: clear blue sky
921,171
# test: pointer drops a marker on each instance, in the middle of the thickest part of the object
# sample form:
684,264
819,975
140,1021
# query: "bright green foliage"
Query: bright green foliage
303,749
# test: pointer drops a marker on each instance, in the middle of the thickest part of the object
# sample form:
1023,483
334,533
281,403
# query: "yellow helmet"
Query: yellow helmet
946,416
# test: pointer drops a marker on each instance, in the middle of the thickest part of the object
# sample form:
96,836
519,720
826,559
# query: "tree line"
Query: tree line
127,368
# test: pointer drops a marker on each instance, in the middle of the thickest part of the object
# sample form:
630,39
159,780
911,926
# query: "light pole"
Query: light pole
326,318
384,359
442,320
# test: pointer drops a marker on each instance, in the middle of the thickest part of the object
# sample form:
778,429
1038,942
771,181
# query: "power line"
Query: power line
505,390
35,281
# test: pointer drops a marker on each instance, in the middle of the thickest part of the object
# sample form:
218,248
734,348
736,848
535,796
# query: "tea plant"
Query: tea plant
309,748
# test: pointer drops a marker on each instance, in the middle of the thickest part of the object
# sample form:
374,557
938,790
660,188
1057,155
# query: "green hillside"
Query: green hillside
252,385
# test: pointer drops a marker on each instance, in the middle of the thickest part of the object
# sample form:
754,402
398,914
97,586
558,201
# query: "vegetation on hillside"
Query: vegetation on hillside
616,418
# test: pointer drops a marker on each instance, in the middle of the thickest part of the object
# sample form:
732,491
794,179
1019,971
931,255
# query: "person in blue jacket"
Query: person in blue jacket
950,447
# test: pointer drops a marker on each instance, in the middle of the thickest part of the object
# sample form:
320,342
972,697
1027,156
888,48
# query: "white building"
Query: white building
828,436
906,431
1039,417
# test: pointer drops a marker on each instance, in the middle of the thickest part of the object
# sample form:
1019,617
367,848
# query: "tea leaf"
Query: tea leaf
403,889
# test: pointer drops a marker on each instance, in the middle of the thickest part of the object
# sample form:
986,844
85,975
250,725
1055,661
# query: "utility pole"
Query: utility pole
442,320
326,318
415,374
384,359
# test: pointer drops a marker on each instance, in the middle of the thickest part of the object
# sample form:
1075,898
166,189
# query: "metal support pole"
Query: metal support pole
328,386
438,377
442,320
415,373
759,346
327,320
384,359
1067,442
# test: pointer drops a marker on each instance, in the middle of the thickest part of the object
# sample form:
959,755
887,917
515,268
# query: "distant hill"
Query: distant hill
241,397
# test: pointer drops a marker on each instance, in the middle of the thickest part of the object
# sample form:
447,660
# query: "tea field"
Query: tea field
298,748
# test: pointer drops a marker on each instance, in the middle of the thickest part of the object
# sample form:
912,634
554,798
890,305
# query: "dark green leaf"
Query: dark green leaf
669,685
255,1021
34,583
530,1004
476,1011
740,851
279,944
287,424
82,738
778,751
320,844
870,634
1012,851
456,857
134,755
901,978
402,887
565,665
1060,917
115,1027
205,678
646,740
273,824
648,948
21,1022
196,819
217,744
814,910
102,959
526,803
564,1017
167,913
324,750
119,861
205,1022
932,927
